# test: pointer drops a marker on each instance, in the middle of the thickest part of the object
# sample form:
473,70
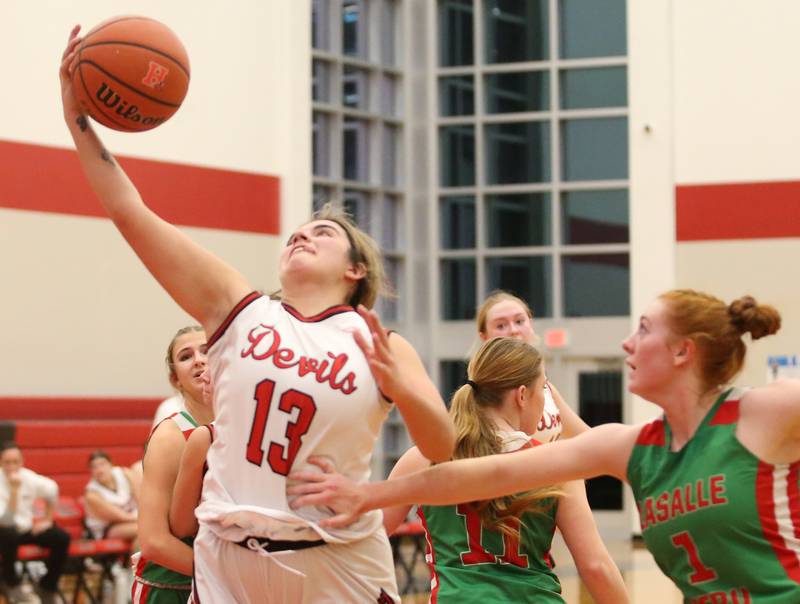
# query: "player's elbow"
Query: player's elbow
440,447
153,547
598,573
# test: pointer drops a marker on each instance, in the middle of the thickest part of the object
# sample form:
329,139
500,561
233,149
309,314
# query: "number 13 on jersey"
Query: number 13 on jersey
280,457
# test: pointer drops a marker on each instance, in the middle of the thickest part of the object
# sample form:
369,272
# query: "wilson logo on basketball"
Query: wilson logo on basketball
156,74
109,97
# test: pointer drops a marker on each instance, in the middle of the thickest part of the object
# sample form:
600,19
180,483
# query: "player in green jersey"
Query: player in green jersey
716,478
163,573
499,551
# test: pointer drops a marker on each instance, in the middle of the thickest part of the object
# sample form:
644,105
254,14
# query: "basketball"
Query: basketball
131,74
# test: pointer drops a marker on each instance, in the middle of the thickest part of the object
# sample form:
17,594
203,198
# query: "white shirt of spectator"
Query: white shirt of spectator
173,404
32,486
121,496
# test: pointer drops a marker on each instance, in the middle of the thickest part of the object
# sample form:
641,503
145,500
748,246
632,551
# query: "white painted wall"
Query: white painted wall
79,313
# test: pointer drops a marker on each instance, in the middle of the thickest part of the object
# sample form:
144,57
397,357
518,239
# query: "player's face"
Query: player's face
320,247
100,468
532,411
190,361
651,353
508,318
11,461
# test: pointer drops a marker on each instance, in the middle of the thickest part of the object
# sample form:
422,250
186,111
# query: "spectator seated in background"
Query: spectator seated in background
111,503
19,487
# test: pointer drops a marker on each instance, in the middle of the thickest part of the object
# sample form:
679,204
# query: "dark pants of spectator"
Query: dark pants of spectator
53,538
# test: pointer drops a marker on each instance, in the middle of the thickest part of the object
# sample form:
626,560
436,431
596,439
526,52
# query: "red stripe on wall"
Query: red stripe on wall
738,211
48,179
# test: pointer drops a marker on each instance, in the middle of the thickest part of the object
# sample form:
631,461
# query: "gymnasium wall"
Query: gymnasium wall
737,174
80,315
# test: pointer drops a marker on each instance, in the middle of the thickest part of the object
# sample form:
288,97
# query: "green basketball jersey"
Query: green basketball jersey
722,524
471,564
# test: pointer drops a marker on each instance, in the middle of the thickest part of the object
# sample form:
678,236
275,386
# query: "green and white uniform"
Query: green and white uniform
471,564
155,584
721,523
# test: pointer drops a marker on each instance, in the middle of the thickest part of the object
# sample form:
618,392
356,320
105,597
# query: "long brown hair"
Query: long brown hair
717,328
499,365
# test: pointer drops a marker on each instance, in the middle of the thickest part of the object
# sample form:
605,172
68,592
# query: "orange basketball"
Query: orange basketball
132,73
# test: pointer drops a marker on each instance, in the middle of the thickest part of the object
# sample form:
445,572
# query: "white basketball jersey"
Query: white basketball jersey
286,387
121,496
549,428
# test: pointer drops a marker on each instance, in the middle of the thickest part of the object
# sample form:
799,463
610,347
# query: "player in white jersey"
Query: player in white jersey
111,507
505,315
327,263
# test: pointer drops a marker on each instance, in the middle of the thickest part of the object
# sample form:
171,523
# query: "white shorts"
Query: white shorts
352,573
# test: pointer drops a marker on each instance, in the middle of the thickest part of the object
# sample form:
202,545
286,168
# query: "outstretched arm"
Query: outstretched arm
402,378
595,566
202,284
601,451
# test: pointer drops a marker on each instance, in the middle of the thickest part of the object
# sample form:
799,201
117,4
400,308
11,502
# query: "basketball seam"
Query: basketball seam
134,44
110,23
91,100
128,86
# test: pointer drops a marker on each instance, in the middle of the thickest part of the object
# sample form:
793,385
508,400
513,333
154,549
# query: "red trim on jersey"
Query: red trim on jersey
430,558
793,491
231,316
38,178
727,413
653,434
765,501
320,316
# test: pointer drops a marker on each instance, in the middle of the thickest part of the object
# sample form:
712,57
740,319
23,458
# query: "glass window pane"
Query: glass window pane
517,152
354,28
588,88
320,195
458,289
390,155
594,217
518,219
389,308
457,156
453,375
457,95
529,277
355,88
596,285
320,28
356,204
455,33
592,28
517,91
595,149
389,95
388,32
516,30
392,233
457,222
320,145
355,151
321,81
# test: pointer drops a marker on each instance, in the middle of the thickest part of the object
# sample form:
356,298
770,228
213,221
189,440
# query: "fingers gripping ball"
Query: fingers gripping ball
131,73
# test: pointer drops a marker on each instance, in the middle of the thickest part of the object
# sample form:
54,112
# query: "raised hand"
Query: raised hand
72,109
379,355
340,494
